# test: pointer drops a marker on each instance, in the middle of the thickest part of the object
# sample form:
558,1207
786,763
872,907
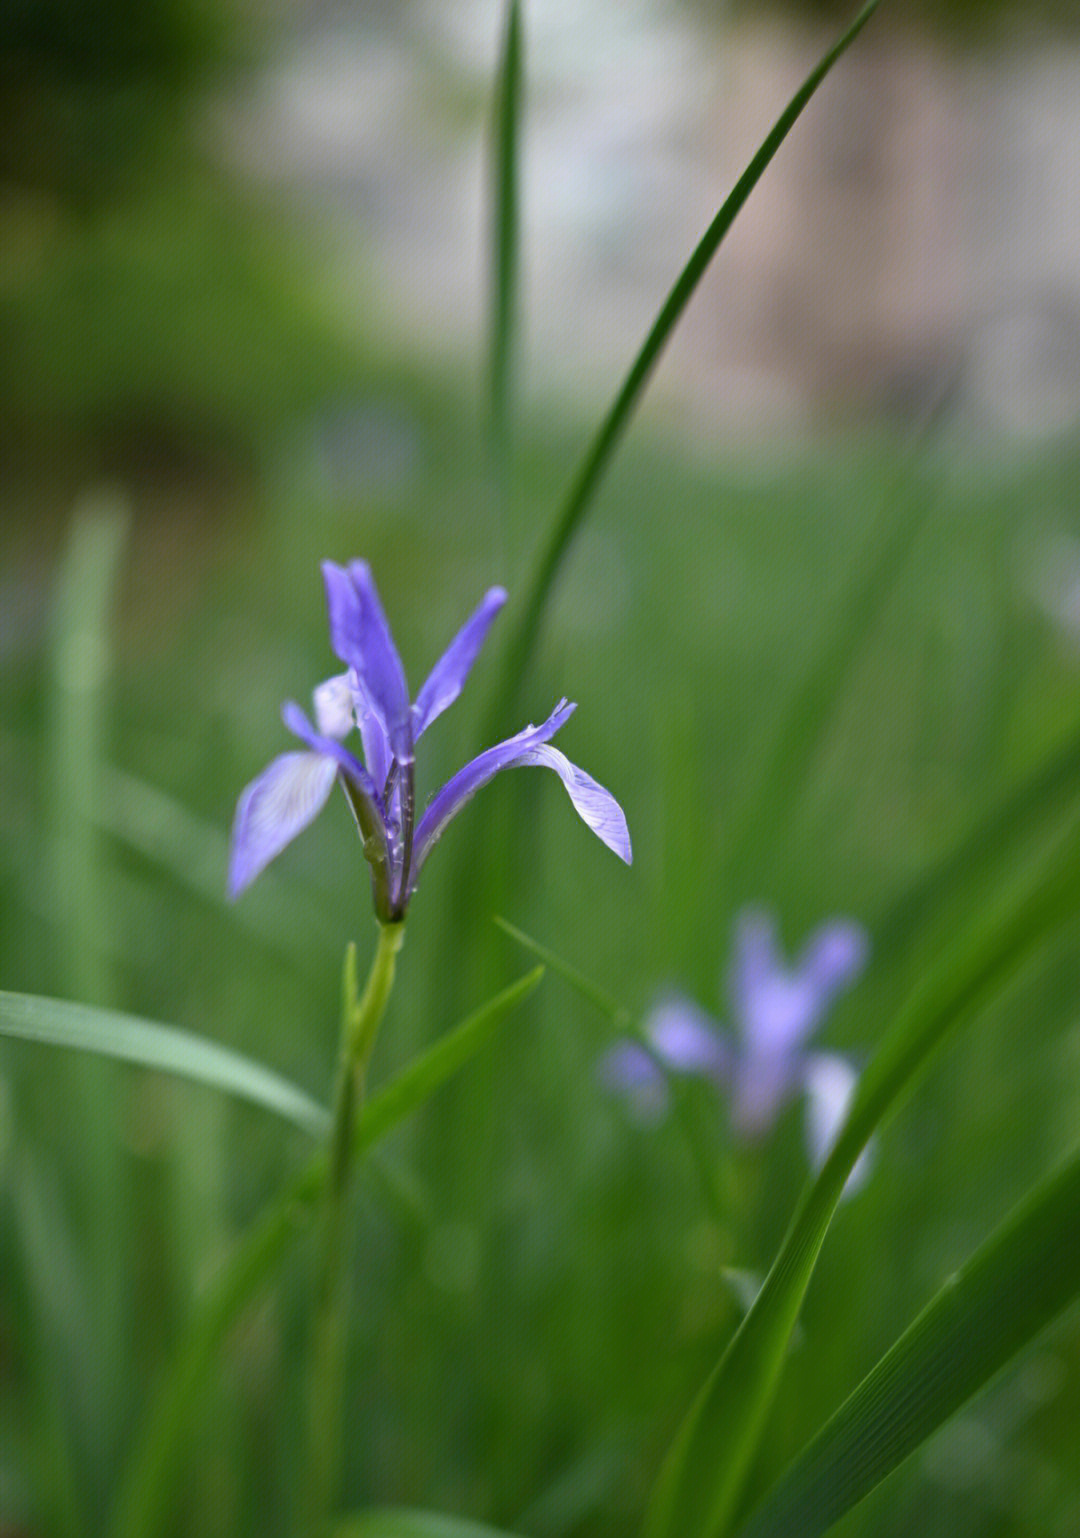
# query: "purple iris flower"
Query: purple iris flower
373,697
764,1062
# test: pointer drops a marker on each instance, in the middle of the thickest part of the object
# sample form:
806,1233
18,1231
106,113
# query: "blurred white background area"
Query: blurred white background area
917,235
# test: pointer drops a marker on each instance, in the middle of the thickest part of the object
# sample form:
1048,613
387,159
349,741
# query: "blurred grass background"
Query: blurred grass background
538,1280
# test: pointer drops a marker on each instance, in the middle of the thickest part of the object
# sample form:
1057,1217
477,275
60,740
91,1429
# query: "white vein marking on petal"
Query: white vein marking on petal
596,807
274,808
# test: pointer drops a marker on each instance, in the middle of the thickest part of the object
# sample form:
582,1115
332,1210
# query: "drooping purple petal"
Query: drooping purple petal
448,801
597,807
834,956
273,809
443,684
830,1082
686,1039
361,637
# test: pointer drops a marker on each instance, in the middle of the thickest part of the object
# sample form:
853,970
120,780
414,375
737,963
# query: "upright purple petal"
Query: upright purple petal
443,684
273,809
361,637
341,705
597,807
377,751
834,956
448,802
367,804
779,1014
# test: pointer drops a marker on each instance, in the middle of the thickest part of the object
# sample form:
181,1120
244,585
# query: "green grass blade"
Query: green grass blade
395,1523
701,1152
616,1013
48,1313
999,1301
156,1457
166,1048
419,1081
85,937
522,643
701,1480
505,242
81,664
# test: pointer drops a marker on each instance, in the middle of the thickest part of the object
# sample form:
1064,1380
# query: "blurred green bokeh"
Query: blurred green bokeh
538,1287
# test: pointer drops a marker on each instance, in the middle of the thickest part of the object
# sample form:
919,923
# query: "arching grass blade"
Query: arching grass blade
504,253
1010,1290
586,483
701,1482
166,1048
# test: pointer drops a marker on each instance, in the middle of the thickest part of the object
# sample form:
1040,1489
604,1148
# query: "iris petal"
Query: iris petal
597,807
273,809
627,1069
834,956
830,1085
756,959
333,701
686,1039
361,637
328,747
381,672
448,802
443,684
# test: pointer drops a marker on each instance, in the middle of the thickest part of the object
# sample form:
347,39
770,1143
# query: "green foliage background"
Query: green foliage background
538,1279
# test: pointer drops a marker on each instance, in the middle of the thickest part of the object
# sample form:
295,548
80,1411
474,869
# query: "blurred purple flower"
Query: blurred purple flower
764,1062
373,697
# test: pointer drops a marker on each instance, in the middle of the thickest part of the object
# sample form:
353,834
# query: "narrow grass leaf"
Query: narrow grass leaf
156,1458
1009,1291
75,888
80,667
394,1523
701,1481
48,1312
423,1076
616,1013
522,643
166,1048
505,240
701,1153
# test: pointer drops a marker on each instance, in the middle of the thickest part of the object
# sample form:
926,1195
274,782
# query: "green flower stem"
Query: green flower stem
360,1021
